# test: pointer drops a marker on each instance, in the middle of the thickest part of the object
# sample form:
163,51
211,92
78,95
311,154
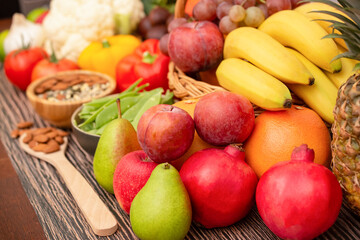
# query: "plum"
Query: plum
165,132
196,46
222,118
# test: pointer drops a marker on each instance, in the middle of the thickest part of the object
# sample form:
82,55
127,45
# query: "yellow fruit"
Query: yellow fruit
295,30
309,9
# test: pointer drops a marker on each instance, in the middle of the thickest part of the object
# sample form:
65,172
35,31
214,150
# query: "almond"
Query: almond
28,137
52,134
41,138
59,140
32,144
62,133
39,131
15,133
24,124
40,147
51,146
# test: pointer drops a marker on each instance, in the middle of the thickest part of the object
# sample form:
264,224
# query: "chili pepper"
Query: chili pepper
146,62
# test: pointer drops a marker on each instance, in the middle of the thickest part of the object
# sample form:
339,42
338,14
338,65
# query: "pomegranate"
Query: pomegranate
299,199
220,184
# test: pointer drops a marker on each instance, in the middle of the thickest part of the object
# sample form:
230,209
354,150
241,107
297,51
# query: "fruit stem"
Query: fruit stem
235,150
287,103
118,107
303,154
166,166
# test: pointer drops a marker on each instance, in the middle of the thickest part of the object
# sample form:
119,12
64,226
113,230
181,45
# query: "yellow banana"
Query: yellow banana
262,89
267,54
308,8
293,29
347,70
321,96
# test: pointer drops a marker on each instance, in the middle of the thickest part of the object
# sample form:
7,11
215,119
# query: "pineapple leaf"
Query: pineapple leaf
345,7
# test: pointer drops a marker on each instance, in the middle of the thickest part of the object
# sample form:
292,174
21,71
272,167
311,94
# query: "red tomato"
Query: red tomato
51,66
19,64
277,5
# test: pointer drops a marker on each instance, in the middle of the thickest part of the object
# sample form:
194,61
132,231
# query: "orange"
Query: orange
277,133
198,144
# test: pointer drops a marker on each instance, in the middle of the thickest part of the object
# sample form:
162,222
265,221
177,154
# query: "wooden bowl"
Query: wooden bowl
59,113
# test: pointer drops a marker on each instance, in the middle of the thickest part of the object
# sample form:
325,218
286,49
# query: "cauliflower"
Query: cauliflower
71,25
128,14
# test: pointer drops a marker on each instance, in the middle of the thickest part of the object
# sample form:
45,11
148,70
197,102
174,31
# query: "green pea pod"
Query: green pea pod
132,112
112,100
167,98
101,130
111,112
153,100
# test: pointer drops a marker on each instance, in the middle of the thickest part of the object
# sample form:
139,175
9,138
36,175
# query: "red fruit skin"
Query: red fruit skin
45,68
221,187
165,132
298,199
130,176
222,118
196,46
18,65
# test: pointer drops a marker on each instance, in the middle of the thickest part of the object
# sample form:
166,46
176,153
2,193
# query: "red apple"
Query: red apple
131,174
222,118
165,132
196,46
220,184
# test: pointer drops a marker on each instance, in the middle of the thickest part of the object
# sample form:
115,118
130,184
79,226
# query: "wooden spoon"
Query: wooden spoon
95,211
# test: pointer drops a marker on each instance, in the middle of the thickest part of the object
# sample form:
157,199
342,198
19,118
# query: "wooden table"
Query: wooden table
35,203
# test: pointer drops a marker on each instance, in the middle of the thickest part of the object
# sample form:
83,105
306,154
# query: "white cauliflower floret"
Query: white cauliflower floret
72,24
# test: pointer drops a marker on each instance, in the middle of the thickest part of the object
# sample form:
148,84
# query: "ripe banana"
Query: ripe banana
321,96
267,54
308,10
295,30
262,89
347,70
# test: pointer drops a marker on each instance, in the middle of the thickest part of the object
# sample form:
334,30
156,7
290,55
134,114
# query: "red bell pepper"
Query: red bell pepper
146,62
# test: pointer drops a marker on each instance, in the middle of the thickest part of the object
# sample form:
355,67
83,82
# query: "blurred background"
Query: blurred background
9,7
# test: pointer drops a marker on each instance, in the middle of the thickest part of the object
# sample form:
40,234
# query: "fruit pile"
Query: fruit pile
211,159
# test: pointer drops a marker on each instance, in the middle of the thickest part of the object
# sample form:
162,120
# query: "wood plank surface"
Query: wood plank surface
58,213
17,216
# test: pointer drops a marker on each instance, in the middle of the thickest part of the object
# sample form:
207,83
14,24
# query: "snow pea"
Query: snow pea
111,112
153,100
167,98
132,112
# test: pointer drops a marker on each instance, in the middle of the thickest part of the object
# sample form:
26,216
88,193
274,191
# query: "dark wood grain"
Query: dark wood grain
58,213
17,217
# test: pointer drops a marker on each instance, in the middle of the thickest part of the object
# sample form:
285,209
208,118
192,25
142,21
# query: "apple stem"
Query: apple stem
119,107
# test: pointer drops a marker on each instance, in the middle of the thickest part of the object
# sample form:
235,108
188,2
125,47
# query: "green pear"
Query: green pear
162,209
118,138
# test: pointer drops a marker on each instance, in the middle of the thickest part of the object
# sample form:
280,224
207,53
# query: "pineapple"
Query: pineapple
345,144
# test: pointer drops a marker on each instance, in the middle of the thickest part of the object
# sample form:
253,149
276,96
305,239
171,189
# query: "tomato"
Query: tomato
51,66
278,5
18,65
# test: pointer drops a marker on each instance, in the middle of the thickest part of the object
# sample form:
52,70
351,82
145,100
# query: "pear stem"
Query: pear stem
166,166
119,107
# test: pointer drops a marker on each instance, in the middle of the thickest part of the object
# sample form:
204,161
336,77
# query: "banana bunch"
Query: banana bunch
287,51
